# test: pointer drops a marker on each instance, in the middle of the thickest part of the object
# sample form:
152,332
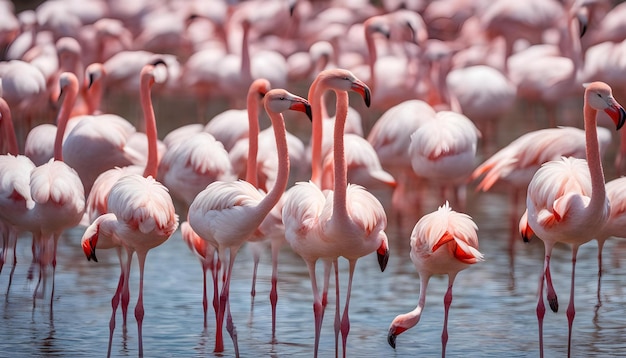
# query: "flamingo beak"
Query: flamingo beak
383,255
617,114
89,245
362,89
302,106
391,339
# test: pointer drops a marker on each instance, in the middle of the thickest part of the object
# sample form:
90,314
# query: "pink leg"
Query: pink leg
447,301
337,315
345,320
224,301
255,257
215,267
139,311
571,311
551,294
274,291
205,300
115,301
541,308
600,248
318,307
217,305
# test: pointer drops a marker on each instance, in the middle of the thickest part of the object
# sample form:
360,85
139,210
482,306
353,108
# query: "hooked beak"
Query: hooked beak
302,106
617,114
362,89
383,256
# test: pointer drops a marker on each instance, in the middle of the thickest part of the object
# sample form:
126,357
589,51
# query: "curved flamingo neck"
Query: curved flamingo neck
147,80
7,128
253,136
71,92
274,195
341,174
598,191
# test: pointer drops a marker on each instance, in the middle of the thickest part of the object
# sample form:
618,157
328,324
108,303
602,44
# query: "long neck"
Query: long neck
64,115
150,123
316,93
270,200
8,129
253,137
246,72
598,191
341,175
371,48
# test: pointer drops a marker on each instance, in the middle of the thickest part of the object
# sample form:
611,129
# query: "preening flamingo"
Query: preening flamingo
443,151
347,221
566,200
443,242
214,209
137,214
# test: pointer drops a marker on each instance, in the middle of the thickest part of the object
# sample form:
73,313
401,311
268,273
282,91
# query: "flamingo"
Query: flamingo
444,151
347,221
566,200
442,242
141,214
15,170
616,224
206,254
55,200
514,165
222,203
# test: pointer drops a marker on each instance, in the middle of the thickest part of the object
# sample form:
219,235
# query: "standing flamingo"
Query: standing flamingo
219,205
347,221
442,242
616,225
566,200
140,215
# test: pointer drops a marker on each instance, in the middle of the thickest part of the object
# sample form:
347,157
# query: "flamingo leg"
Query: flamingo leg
345,320
219,320
571,311
139,310
54,268
551,294
275,246
600,248
215,267
318,307
337,300
447,301
205,300
224,301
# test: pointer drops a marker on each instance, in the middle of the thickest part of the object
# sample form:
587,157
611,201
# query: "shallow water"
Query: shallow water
492,313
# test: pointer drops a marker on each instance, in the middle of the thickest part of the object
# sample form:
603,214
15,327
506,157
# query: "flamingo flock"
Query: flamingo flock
85,147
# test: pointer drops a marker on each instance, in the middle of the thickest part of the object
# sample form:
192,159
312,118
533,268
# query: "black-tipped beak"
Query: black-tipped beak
583,21
622,118
92,255
308,112
391,339
383,259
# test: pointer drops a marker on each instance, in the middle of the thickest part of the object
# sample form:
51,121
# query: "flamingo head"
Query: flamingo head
598,95
383,255
279,100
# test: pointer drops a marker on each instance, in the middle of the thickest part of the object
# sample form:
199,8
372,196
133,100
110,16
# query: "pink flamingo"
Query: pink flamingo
140,216
566,200
206,254
222,202
444,151
15,169
326,225
443,242
513,166
616,224
50,198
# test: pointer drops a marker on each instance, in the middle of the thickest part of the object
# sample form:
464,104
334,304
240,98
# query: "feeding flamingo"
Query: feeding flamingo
566,200
140,214
443,242
219,205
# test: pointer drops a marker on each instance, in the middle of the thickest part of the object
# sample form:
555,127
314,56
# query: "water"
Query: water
492,313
